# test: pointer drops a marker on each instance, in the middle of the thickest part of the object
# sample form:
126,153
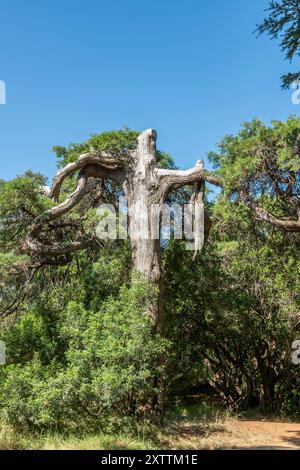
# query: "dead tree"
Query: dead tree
145,186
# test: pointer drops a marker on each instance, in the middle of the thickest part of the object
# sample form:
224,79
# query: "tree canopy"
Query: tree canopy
261,167
283,23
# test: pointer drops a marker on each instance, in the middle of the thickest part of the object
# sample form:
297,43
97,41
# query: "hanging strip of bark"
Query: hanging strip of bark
197,200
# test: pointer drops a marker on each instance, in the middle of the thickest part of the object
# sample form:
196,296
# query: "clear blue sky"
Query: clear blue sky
192,69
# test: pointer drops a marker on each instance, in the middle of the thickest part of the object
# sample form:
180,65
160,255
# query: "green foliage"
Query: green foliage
164,160
235,313
104,370
20,202
283,22
242,157
262,163
113,141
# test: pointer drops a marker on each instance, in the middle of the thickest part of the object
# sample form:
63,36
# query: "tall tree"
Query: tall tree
146,186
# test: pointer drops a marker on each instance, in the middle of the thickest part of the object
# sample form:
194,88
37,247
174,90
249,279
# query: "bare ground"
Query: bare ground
234,434
185,433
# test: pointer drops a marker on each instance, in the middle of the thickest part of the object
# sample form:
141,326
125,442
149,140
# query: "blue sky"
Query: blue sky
192,69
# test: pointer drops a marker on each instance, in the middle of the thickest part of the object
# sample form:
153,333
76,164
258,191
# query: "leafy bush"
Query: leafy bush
106,372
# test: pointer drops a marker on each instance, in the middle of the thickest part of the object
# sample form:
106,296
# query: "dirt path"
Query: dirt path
269,434
233,434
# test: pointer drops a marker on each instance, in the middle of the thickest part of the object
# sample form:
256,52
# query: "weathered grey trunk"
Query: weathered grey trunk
144,219
144,206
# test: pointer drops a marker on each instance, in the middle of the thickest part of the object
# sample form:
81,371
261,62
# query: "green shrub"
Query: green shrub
110,360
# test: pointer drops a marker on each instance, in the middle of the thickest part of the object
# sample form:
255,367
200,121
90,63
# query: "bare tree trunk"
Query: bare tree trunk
144,228
140,190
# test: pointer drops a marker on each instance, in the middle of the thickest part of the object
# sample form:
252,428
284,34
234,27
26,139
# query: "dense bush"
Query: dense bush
80,366
234,314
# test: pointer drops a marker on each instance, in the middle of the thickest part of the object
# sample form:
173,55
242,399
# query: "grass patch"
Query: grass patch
12,440
194,420
199,426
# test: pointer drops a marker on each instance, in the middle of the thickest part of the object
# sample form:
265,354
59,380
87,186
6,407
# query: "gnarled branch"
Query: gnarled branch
288,225
178,178
170,180
32,244
109,163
